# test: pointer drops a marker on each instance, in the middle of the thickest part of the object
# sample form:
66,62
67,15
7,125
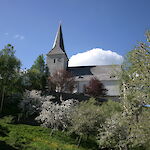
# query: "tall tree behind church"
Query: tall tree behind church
37,74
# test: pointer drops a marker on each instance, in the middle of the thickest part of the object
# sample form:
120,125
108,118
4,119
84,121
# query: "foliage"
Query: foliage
86,118
9,76
135,88
89,116
109,108
62,81
135,78
56,116
95,88
9,66
39,64
32,80
141,131
36,77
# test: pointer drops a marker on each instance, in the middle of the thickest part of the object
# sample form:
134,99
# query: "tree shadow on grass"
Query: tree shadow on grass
3,131
4,146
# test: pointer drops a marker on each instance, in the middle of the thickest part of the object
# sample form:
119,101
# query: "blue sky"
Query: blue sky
31,25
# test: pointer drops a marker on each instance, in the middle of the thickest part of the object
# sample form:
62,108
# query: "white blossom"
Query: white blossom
56,116
32,102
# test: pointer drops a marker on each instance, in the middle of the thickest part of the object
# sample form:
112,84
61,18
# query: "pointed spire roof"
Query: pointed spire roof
59,42
58,46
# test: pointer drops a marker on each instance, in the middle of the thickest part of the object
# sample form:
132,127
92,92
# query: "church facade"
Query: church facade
57,59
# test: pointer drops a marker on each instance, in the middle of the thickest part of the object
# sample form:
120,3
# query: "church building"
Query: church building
57,59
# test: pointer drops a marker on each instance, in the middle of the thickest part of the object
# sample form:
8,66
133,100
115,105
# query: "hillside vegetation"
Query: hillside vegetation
27,137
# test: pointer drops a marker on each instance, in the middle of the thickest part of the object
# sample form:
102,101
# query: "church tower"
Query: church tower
57,58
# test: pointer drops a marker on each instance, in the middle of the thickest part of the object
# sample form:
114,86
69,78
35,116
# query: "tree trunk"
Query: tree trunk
80,138
61,98
52,131
126,147
2,101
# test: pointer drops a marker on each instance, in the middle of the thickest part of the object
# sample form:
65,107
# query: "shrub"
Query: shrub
86,118
89,117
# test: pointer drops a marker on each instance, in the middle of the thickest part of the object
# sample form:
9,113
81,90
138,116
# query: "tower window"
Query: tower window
54,60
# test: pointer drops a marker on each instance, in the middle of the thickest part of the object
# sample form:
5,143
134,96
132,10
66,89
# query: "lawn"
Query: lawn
27,137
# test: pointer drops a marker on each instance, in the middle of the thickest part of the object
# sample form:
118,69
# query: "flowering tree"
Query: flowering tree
32,102
56,116
130,128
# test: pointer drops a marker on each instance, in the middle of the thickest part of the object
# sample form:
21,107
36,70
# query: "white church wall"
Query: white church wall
81,86
112,86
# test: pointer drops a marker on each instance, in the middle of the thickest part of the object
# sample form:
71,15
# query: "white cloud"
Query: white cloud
18,36
96,56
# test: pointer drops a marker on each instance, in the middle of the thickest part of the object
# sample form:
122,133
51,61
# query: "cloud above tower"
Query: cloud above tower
95,56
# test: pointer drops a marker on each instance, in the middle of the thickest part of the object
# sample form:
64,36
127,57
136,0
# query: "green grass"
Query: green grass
27,137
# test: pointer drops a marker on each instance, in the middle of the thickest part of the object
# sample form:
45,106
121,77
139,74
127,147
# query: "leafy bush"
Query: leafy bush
86,118
7,119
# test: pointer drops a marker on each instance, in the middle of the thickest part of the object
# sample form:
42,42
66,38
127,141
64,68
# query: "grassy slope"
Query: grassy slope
29,137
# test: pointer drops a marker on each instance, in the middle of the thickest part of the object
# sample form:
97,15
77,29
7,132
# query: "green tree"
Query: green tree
9,72
39,64
36,76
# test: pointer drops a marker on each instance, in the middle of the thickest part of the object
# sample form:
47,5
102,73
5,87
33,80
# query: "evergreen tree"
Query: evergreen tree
39,64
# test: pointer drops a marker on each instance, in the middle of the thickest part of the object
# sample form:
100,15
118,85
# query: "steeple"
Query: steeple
58,46
57,58
59,42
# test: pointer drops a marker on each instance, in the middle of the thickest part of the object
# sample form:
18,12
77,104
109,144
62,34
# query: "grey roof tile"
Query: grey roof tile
104,72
